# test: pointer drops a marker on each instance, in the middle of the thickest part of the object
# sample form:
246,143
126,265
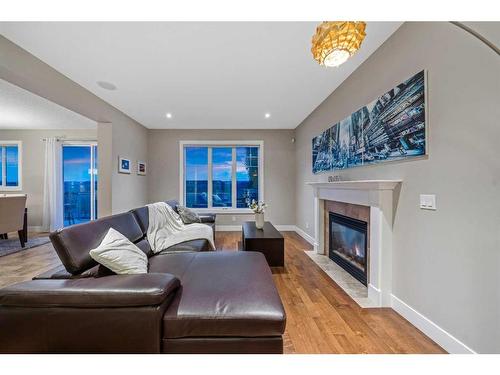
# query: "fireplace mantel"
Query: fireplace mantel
379,195
358,184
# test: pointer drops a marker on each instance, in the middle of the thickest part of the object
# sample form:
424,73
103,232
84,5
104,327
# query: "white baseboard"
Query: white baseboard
374,295
286,228
280,227
35,228
236,228
305,236
228,228
447,341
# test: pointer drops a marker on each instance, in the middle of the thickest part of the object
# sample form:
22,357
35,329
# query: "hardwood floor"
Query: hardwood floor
26,264
321,317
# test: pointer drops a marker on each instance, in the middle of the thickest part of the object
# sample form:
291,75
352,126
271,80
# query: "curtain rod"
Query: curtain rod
59,139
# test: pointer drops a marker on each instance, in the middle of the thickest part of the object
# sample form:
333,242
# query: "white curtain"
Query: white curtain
52,186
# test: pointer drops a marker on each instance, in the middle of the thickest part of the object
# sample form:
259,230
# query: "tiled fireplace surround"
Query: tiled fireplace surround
356,290
371,201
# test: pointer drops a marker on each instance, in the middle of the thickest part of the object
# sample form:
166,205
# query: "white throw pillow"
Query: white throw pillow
121,256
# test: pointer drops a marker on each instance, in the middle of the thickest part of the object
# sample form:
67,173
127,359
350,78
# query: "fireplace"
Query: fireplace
348,244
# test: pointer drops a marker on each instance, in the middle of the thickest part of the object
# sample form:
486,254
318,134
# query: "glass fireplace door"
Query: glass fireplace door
348,245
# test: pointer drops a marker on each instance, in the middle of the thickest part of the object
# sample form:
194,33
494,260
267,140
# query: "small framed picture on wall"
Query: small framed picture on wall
141,168
123,165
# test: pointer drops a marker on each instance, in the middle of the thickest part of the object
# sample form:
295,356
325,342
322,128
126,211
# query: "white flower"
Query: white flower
257,207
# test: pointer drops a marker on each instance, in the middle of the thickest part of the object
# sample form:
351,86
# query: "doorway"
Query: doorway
80,177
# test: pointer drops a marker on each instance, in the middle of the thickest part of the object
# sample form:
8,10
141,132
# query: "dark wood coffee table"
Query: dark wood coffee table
267,241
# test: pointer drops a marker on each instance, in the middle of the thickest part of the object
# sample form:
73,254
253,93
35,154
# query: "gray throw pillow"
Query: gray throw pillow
187,215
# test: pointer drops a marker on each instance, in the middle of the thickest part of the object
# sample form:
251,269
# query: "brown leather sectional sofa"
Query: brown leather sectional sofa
191,301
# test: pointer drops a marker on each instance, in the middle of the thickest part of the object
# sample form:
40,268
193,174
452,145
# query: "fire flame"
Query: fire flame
357,250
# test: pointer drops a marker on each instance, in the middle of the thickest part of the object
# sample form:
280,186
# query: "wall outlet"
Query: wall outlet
233,218
307,225
427,201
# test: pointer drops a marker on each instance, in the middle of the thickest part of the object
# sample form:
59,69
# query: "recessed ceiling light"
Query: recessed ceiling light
106,85
169,115
267,115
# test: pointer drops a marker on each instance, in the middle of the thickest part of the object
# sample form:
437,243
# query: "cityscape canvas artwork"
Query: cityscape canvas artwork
392,127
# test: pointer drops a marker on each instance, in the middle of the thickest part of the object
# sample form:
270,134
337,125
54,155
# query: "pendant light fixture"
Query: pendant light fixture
335,41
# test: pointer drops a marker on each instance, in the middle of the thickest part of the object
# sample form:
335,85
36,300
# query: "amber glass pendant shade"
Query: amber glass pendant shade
335,41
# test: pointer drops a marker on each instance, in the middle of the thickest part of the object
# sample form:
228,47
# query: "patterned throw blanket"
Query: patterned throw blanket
167,229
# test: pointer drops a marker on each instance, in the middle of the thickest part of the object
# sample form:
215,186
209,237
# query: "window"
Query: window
221,175
10,165
196,177
79,177
247,175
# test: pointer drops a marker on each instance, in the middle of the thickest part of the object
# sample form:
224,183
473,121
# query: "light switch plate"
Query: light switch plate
428,201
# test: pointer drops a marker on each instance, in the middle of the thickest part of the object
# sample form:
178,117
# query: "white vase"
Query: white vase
259,220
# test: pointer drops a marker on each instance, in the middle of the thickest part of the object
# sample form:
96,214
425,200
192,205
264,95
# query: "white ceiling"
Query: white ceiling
209,75
21,109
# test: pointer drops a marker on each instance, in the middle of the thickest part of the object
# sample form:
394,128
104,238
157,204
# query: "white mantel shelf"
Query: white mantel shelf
358,184
379,196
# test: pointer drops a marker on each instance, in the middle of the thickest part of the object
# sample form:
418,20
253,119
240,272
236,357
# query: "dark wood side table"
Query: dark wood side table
267,241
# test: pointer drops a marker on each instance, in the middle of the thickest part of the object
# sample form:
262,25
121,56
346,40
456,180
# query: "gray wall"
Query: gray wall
34,164
279,171
129,190
105,164
446,261
128,137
